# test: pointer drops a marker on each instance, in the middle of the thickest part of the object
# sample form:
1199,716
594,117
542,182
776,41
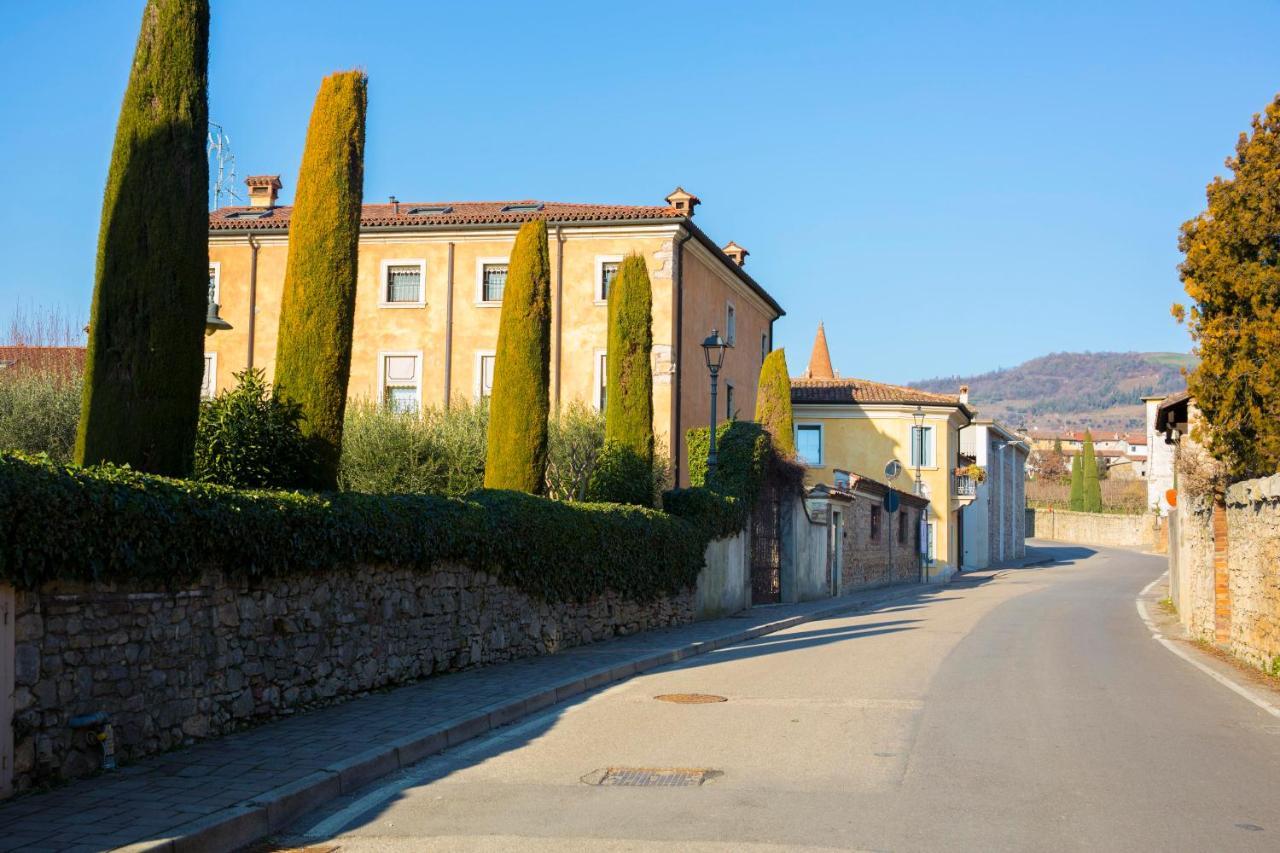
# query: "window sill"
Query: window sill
480,304
402,305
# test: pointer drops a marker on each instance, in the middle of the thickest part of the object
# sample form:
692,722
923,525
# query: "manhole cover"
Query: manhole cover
690,698
650,777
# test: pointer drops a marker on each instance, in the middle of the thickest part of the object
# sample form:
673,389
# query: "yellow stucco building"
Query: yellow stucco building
429,296
865,427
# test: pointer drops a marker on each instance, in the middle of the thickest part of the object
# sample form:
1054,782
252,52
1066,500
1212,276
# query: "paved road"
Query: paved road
1022,710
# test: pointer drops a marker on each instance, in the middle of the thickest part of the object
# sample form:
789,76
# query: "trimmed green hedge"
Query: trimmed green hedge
114,524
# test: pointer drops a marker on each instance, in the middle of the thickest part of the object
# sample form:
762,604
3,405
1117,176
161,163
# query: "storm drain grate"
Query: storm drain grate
690,698
650,777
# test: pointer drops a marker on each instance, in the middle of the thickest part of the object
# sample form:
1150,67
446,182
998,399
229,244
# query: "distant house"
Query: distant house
1119,454
890,434
995,523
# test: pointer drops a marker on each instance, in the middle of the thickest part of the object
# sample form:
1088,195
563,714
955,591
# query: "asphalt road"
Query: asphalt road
1027,709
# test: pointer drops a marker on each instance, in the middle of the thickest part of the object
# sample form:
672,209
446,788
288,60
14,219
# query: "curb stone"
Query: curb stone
240,825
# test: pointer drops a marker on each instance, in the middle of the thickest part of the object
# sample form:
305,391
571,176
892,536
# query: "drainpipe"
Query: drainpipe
253,296
559,310
448,328
677,277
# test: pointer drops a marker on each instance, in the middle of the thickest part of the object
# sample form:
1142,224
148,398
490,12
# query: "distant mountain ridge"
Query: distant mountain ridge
1102,390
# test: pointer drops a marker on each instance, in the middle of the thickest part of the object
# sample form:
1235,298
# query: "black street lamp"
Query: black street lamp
713,348
917,447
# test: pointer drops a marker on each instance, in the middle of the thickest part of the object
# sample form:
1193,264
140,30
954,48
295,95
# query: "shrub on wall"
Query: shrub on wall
250,437
317,308
146,325
773,403
115,524
519,405
39,411
440,451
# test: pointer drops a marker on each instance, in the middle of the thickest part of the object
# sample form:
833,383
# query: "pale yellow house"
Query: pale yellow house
430,284
890,434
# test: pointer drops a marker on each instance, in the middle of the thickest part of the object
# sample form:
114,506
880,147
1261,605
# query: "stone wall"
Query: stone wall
874,561
1191,566
1094,528
174,666
1253,570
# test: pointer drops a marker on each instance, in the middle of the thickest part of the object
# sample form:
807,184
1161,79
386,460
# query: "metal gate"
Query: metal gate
766,550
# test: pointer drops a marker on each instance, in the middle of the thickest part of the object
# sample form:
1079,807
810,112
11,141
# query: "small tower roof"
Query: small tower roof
820,360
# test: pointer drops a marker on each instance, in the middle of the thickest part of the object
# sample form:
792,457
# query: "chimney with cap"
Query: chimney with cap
964,395
736,253
263,190
683,202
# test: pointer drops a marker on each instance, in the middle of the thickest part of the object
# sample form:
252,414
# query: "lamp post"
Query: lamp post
212,322
917,449
713,349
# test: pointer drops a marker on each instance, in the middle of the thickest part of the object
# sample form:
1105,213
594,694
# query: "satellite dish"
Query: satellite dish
892,469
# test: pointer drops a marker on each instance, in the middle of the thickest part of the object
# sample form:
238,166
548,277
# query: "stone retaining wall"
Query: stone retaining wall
174,666
1094,528
1253,570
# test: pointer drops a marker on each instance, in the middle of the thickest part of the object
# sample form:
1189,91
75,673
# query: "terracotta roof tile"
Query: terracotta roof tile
453,213
863,391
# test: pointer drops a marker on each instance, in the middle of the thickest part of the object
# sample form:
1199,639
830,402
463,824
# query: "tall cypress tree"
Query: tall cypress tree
317,310
773,402
629,384
521,398
1076,502
1089,467
146,328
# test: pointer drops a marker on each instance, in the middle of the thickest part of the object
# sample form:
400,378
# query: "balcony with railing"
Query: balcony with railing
964,487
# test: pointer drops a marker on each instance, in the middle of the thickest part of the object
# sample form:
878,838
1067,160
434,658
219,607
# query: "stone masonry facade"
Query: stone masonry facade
171,667
875,561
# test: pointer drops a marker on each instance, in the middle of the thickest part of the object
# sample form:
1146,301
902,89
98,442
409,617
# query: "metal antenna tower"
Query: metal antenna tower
222,168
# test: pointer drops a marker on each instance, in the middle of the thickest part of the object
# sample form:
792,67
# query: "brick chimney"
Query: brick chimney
683,202
263,190
736,253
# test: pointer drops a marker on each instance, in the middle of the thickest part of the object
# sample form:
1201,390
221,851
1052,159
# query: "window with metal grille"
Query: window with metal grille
608,272
404,283
494,282
401,382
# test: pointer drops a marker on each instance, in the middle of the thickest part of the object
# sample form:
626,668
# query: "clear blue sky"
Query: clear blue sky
952,187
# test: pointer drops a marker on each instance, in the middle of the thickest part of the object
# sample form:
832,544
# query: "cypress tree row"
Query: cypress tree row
1092,491
141,394
521,398
317,309
1076,502
624,472
773,403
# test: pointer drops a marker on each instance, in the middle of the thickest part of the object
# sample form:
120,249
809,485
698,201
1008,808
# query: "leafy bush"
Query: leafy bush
440,451
39,410
250,437
118,525
575,441
622,475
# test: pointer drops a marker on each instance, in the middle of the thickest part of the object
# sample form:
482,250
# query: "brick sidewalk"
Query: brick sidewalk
230,791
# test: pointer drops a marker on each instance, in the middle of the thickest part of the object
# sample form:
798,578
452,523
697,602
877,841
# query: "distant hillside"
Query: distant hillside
1102,390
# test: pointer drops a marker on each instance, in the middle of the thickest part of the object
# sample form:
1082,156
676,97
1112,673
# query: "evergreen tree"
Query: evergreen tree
1091,491
624,473
629,384
317,310
1076,501
773,403
1232,272
141,396
519,405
